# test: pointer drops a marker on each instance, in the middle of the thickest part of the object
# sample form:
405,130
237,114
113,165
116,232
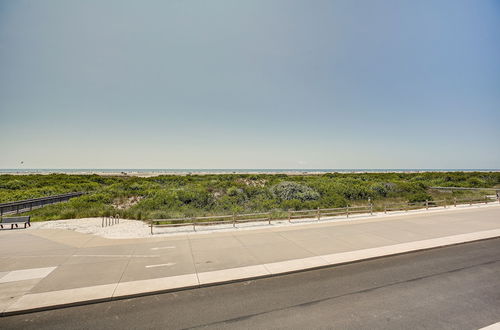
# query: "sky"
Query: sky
250,84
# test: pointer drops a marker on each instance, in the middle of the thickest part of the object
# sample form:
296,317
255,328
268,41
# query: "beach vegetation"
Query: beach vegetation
174,196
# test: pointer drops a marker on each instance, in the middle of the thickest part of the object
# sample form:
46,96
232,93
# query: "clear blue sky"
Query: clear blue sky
250,84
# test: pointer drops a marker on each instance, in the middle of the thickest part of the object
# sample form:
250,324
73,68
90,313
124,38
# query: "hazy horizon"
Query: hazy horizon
63,170
250,85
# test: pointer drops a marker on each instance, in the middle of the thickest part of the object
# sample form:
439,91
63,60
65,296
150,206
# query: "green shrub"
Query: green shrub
419,197
291,190
198,195
380,189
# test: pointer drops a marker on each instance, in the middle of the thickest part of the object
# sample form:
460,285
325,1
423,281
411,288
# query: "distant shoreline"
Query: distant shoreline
183,172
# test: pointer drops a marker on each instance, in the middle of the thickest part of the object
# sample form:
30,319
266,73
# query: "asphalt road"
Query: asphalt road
456,287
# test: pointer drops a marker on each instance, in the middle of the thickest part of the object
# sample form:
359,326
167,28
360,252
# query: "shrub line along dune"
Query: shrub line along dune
173,196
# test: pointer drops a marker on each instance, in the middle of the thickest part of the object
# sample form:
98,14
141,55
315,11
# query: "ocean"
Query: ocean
228,170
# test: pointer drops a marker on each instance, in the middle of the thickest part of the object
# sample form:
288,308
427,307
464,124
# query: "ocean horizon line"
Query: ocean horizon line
235,170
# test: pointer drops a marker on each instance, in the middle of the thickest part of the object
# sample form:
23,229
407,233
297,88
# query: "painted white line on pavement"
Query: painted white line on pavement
163,247
117,255
26,274
494,326
161,265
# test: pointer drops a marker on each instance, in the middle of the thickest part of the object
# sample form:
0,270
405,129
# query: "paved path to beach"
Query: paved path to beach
44,268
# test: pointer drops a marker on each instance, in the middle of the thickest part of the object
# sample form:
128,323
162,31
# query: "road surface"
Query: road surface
456,287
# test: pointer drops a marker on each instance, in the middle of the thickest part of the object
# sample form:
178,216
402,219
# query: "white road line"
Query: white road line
26,274
161,265
163,247
118,255
494,326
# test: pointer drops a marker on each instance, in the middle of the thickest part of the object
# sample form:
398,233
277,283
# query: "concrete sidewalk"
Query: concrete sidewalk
42,269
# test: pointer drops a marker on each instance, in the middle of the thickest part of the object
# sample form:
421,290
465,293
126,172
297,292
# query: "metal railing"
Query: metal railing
30,204
110,220
315,214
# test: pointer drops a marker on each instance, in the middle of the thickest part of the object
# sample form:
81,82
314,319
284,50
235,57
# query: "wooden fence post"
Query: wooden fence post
426,204
319,215
347,211
371,208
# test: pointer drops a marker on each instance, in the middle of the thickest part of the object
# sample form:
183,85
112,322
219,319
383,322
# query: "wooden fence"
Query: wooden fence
315,214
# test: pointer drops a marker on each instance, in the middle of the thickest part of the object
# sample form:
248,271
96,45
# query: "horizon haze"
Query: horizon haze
250,85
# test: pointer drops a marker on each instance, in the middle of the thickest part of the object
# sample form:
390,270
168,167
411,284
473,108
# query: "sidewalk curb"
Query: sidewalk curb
235,275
